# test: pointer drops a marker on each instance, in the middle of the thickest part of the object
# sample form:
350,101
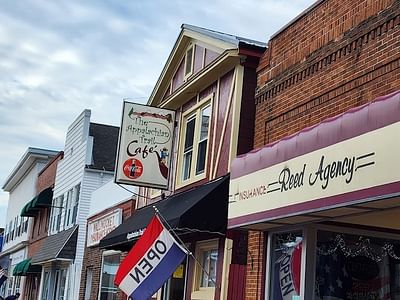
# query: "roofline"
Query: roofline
297,18
31,152
59,154
240,41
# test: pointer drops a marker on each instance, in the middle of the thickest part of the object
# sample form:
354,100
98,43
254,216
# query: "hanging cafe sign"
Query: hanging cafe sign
346,168
145,144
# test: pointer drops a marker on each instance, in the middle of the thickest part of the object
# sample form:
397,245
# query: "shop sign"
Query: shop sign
366,161
99,228
17,257
145,144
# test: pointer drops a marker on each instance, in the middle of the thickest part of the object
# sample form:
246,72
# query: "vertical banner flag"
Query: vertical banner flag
287,273
150,262
145,144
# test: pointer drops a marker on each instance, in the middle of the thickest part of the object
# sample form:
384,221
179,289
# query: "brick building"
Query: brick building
99,266
316,87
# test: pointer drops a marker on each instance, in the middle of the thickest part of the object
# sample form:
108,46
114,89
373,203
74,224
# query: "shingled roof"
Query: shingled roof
105,141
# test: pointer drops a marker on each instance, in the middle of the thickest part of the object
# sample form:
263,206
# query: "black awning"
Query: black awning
58,246
201,209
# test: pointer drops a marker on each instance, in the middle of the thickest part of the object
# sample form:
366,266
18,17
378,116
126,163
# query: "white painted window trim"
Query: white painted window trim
194,111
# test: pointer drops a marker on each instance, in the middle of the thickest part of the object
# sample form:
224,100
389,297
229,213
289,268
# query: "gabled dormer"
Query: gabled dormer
209,79
199,56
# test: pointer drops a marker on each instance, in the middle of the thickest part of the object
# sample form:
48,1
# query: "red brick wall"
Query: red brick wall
93,255
255,266
47,176
352,68
338,55
39,229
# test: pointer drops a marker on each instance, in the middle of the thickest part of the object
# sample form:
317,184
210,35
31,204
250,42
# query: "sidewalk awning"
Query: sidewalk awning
42,200
200,210
25,267
60,246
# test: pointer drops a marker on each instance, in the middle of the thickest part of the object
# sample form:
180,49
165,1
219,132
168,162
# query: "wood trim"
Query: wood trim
228,108
236,114
215,121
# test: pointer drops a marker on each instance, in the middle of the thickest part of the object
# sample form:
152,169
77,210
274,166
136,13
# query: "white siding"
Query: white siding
70,169
18,197
92,180
109,195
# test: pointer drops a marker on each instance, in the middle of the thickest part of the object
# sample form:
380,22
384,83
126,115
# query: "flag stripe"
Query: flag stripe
151,233
162,272
142,270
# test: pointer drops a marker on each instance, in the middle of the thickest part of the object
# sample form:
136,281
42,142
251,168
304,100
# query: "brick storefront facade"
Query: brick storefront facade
39,229
335,56
93,255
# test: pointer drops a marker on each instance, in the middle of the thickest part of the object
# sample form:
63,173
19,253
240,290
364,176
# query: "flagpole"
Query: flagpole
182,243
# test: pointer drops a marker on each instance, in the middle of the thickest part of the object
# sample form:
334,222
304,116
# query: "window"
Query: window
71,206
189,61
195,130
46,285
68,209
75,204
350,266
206,277
88,286
56,212
108,291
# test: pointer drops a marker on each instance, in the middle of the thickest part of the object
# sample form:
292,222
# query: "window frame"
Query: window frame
199,292
191,47
105,254
196,112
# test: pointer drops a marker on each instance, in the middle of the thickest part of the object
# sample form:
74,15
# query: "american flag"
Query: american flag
3,276
333,278
352,278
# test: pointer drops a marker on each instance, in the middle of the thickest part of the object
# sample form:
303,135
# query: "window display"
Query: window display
354,267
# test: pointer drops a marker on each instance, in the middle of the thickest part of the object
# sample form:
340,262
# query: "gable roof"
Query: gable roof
229,38
105,141
224,42
30,157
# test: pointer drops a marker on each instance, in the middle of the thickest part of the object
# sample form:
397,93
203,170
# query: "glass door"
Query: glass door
174,288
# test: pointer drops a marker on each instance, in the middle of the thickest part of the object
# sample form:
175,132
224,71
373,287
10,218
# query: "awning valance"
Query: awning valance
201,209
42,200
25,267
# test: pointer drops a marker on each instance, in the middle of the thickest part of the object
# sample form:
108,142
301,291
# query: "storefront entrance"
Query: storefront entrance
174,288
323,262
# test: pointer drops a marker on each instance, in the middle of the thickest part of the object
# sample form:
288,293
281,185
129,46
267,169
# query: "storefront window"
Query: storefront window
209,263
356,267
46,281
108,290
286,265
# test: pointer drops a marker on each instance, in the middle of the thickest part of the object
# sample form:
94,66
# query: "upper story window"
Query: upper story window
189,61
56,212
194,145
71,210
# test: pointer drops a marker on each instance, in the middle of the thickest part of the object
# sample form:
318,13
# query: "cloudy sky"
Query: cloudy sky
60,57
